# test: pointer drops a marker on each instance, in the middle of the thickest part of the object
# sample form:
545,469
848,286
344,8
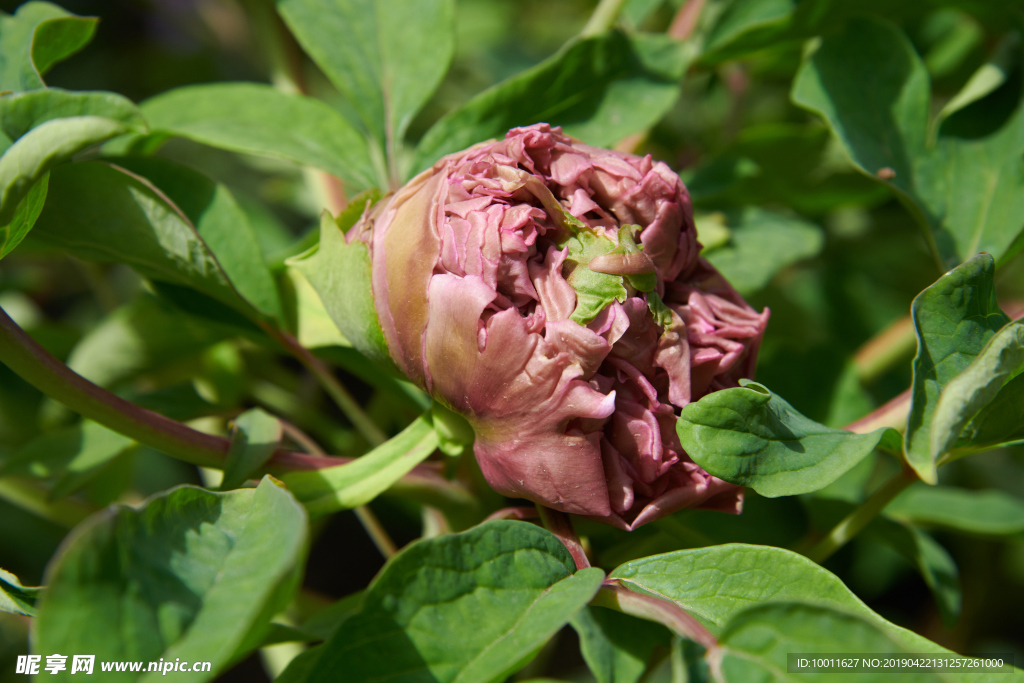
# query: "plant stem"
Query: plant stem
603,18
617,597
855,522
560,524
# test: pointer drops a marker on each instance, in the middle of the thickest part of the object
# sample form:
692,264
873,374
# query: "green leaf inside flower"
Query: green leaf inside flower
594,291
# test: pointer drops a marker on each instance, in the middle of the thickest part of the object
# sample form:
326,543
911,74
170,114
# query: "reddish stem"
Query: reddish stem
560,525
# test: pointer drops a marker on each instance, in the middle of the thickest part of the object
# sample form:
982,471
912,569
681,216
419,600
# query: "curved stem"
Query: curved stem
603,18
38,367
855,522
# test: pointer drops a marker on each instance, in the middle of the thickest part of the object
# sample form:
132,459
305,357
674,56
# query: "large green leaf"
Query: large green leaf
717,583
600,90
145,335
761,244
21,112
191,575
43,148
220,222
751,437
617,647
393,57
102,213
968,194
16,598
975,512
358,482
976,388
954,319
462,608
259,119
38,36
70,456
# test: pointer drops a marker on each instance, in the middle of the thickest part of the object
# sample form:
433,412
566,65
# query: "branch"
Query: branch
617,597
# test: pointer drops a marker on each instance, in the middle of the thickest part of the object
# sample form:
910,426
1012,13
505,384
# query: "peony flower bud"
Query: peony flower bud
553,294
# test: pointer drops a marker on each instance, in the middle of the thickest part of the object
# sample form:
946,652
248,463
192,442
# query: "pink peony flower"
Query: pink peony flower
554,295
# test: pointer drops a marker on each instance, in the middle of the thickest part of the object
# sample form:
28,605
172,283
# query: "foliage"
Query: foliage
174,201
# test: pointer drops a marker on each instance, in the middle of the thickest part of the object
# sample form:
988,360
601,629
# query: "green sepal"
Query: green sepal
341,274
454,433
662,314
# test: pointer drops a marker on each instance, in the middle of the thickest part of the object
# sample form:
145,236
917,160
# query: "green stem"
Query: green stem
603,18
855,522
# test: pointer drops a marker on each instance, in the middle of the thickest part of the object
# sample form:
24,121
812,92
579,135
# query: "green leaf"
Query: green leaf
255,435
221,223
103,213
717,583
751,437
756,643
617,647
71,456
594,291
967,394
954,319
44,147
744,25
38,36
986,80
259,119
600,90
358,482
1002,420
25,215
16,598
305,313
191,574
394,55
145,335
967,194
761,244
21,112
990,513
340,273
462,608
